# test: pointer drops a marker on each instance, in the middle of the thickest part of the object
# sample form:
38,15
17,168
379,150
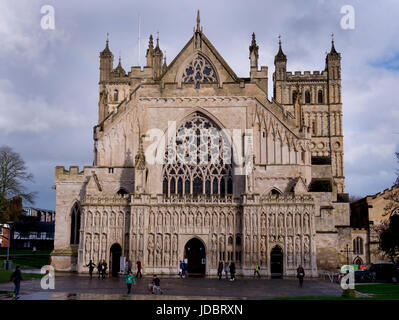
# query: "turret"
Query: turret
158,55
333,68
150,53
280,73
253,54
333,63
106,63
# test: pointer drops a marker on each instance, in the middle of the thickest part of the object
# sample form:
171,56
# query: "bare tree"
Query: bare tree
13,173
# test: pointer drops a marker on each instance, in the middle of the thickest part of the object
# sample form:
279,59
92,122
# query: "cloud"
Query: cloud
48,91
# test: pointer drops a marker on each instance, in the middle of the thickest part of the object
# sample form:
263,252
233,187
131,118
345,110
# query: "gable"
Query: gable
198,46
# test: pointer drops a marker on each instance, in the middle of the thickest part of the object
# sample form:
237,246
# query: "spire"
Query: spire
253,53
119,71
280,56
140,157
150,52
253,46
198,21
164,65
106,52
333,52
157,49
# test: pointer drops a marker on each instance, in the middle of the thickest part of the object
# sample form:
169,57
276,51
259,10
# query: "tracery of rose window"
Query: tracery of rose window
199,162
199,70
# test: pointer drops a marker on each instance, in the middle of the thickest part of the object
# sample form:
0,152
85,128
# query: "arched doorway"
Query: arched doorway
276,262
194,252
114,259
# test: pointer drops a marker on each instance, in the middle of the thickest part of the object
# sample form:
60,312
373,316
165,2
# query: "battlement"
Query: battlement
306,74
138,72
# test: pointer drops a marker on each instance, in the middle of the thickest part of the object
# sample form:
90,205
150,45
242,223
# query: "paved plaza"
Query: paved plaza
80,287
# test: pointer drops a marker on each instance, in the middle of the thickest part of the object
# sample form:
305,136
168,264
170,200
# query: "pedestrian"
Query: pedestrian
16,277
300,274
185,270
181,267
100,269
220,269
91,266
129,280
256,270
138,269
226,270
232,271
104,269
129,265
156,284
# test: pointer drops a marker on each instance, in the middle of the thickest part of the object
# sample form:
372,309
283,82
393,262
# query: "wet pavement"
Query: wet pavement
80,287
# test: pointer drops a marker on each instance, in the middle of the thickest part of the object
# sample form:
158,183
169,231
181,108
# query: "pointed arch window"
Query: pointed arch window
199,160
75,224
307,96
116,95
358,246
320,96
199,70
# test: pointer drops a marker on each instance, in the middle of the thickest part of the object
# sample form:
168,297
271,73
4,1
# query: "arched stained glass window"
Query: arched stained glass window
199,70
75,224
200,159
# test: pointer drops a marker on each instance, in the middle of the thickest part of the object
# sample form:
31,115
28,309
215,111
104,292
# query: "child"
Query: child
129,280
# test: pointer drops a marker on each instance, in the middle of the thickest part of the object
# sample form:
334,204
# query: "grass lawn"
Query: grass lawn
379,291
5,276
26,258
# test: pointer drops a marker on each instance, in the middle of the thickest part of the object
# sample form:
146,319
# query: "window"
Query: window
75,224
294,95
196,163
26,244
314,128
320,96
275,191
116,95
199,70
1,231
122,192
238,240
110,170
358,246
307,96
230,241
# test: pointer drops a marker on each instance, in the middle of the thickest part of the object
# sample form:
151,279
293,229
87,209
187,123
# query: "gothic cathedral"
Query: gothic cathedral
193,162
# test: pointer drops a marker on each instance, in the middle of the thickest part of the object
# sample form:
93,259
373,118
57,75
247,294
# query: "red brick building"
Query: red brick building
4,235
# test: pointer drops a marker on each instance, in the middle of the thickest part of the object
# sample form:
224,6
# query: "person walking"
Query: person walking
100,269
156,284
256,270
300,274
139,269
220,270
129,280
185,270
16,277
226,270
181,267
104,269
91,266
232,271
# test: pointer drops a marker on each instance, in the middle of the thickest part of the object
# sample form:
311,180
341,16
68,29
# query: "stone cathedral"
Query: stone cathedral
167,182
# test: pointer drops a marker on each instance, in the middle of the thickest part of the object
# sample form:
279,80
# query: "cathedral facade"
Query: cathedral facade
193,162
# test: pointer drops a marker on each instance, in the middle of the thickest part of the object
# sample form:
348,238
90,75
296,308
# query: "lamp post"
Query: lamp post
347,251
8,246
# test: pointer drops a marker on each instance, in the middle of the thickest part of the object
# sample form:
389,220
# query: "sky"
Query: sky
49,77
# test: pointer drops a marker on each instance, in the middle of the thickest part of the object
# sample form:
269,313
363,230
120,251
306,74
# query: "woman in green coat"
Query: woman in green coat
129,280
